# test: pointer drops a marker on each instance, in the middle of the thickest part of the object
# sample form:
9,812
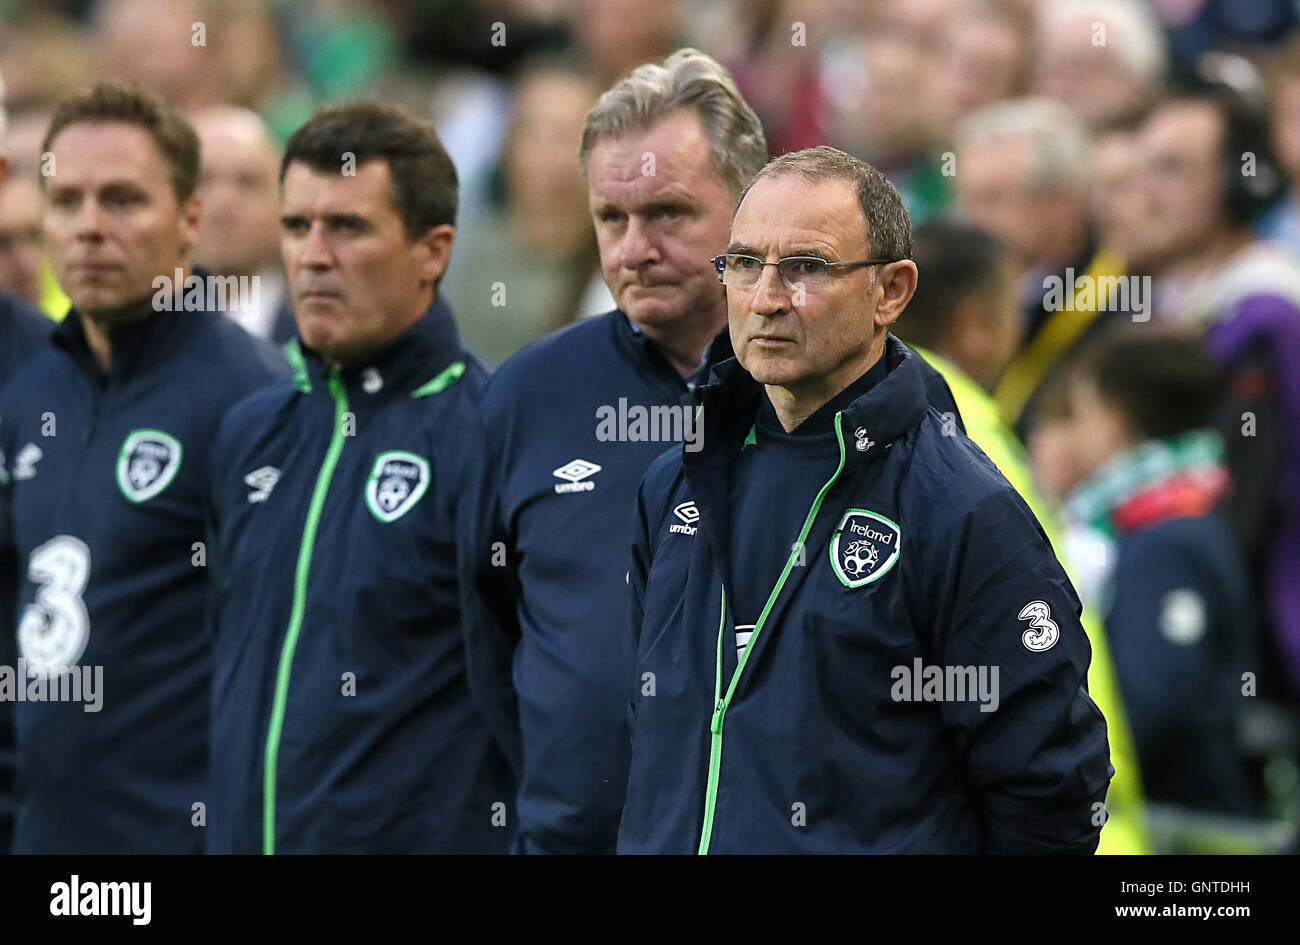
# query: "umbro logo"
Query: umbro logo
262,481
576,472
26,460
689,515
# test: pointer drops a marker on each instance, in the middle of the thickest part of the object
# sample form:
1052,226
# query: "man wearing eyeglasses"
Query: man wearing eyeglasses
849,593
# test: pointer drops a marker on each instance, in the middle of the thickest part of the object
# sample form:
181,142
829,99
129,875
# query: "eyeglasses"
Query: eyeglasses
739,271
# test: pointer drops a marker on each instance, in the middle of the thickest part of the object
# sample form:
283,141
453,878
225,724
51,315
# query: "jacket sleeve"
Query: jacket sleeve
1036,753
489,590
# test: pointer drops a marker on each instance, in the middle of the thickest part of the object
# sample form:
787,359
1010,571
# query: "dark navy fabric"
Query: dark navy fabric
776,466
546,566
817,753
381,749
1176,629
108,574
545,570
23,329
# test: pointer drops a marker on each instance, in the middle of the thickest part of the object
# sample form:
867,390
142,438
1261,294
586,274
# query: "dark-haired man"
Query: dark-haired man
849,632
107,440
341,717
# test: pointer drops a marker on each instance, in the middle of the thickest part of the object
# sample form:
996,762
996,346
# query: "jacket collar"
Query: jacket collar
883,414
645,354
423,359
870,425
136,345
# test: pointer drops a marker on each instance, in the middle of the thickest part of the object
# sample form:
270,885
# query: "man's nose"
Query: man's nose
314,250
638,246
771,295
90,222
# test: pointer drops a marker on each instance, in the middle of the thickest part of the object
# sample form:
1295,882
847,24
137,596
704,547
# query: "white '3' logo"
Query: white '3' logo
1043,631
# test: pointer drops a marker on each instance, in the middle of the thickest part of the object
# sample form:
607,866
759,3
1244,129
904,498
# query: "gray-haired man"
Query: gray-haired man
572,422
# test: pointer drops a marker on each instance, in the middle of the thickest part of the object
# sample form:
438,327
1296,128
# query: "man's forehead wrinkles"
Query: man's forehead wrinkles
637,192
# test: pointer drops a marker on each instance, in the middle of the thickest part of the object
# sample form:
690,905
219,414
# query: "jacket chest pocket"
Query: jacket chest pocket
856,637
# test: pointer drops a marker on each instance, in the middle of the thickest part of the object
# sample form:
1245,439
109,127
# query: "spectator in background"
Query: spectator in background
1114,203
1206,174
521,271
20,237
983,58
792,54
1102,58
964,320
157,44
1283,221
1022,175
613,37
239,234
1139,405
883,100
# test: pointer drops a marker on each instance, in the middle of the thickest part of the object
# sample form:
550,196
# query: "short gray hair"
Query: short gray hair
888,224
1133,32
686,79
4,118
1059,138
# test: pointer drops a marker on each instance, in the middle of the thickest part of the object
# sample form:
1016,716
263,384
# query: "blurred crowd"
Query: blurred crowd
1106,200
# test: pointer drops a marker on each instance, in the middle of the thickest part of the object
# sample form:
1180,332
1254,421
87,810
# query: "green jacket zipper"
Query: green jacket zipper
301,573
721,702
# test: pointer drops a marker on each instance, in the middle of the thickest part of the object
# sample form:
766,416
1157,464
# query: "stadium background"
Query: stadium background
508,83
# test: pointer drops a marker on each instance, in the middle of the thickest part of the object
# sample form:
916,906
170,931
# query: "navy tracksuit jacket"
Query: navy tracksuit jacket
1179,609
545,566
23,329
917,556
341,717
105,510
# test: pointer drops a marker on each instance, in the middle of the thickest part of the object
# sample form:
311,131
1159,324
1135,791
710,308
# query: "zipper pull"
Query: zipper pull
716,725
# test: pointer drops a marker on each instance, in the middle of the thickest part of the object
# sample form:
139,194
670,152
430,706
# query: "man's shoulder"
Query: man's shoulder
24,322
558,358
950,485
662,478
35,377
242,359
257,412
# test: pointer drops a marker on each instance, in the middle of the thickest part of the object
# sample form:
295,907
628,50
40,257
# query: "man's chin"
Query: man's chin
652,308
109,308
772,369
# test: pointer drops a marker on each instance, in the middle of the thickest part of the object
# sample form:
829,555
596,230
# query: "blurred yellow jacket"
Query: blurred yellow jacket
1125,826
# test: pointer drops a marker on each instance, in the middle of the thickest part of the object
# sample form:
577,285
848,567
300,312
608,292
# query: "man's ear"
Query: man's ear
4,167
435,246
895,287
191,212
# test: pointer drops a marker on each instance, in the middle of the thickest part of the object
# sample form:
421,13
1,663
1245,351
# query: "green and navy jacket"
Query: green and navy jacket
341,716
23,330
102,506
915,557
544,578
